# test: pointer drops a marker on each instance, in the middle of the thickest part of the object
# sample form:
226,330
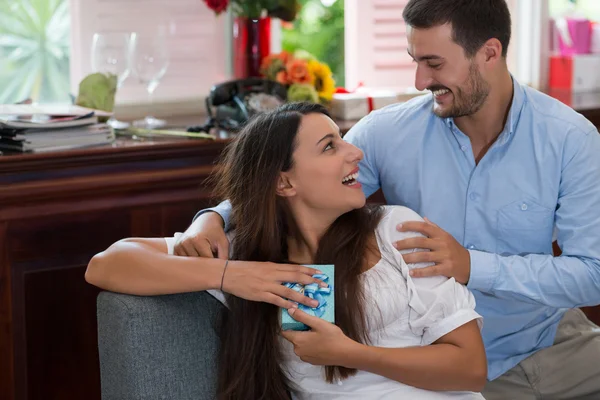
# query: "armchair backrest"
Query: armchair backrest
158,347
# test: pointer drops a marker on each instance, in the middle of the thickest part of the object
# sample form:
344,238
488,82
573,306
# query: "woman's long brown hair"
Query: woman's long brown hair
250,357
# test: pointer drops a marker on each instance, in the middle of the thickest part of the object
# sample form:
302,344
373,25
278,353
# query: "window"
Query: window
196,43
378,58
588,8
45,60
45,47
377,55
319,30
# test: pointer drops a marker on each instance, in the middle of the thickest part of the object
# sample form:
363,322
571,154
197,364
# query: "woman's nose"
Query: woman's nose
354,153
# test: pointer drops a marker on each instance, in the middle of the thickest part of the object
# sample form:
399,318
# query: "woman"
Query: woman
292,183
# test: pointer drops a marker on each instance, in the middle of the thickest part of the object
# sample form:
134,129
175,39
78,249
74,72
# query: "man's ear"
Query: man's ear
284,186
492,50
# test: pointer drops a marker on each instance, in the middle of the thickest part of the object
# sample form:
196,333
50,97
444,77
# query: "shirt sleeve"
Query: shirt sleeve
171,243
223,209
361,135
573,279
437,305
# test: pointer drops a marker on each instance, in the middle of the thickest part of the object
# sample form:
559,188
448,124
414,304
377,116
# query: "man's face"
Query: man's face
455,80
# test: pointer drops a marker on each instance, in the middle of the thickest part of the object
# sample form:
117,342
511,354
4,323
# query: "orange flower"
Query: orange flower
267,61
284,56
273,63
298,72
282,77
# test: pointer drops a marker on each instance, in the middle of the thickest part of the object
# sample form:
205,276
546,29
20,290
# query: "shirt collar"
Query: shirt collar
513,115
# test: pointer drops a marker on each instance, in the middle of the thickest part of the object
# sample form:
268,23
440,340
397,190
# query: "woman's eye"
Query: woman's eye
329,146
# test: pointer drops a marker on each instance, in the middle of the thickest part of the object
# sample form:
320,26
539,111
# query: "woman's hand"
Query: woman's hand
262,281
324,344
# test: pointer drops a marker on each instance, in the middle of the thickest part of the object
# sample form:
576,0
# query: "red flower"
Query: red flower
218,6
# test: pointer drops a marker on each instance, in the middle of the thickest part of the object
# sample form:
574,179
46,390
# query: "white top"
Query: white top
401,312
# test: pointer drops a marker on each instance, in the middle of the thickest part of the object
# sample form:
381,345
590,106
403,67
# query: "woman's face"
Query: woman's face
325,170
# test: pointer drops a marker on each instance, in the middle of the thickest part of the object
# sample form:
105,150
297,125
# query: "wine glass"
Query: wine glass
111,54
150,61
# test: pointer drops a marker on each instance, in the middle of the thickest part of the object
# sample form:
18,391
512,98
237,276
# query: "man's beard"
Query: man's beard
467,99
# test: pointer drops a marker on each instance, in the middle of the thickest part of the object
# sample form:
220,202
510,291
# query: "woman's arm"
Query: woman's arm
143,267
455,362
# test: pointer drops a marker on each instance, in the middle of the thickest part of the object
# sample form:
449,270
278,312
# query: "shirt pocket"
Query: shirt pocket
524,227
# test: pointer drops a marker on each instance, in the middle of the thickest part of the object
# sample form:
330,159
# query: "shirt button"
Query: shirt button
470,246
473,196
524,207
463,148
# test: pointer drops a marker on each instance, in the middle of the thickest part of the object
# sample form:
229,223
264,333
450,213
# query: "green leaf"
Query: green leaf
34,50
319,30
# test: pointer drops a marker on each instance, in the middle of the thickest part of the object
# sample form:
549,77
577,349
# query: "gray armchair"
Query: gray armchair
161,347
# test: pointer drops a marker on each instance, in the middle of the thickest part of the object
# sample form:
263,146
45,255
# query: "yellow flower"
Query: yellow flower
323,79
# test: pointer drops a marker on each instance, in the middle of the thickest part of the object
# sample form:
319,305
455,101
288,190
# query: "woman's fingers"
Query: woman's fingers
278,301
292,295
298,268
297,277
264,282
298,274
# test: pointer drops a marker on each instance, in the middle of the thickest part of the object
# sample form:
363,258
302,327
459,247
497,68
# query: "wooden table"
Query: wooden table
59,209
56,211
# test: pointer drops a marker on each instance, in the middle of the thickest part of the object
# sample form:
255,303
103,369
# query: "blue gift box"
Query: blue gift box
325,297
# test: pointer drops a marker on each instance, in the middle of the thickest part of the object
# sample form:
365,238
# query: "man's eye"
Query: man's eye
435,66
329,146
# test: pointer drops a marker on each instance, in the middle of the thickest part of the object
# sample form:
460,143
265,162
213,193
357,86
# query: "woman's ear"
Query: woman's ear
284,186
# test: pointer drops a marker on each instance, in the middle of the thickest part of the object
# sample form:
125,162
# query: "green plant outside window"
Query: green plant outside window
319,29
34,50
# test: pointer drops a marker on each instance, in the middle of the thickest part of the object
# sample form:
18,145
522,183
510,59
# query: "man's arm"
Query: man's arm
573,279
362,136
205,237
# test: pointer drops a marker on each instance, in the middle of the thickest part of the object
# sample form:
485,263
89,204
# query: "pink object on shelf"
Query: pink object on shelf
574,36
595,44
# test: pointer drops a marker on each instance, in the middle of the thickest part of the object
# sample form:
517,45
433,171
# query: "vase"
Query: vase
251,43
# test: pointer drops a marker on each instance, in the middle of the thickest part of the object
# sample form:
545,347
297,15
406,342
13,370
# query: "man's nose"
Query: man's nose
423,78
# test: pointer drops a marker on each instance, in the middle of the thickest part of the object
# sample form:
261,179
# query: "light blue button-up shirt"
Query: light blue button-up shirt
542,175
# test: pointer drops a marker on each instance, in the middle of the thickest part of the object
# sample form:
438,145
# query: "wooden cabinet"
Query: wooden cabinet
56,212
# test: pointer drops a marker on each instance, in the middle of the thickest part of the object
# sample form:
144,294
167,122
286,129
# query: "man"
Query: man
496,168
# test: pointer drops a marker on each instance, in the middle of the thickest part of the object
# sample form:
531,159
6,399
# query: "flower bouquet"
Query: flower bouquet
306,78
252,29
285,10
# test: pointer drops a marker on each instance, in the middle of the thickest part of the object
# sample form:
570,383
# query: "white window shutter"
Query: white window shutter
197,42
530,42
376,48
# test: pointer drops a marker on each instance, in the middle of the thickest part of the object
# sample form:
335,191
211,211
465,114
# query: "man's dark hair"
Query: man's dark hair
473,21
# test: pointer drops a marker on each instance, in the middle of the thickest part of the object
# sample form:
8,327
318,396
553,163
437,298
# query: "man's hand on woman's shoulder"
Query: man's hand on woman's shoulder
204,238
